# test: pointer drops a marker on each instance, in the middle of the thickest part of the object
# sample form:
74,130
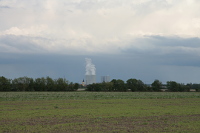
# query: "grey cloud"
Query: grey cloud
119,66
167,50
4,7
175,41
42,65
162,41
19,43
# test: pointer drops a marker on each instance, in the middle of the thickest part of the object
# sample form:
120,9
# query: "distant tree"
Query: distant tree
196,87
149,88
97,86
72,87
5,84
40,84
50,84
183,87
17,85
172,86
189,85
119,85
177,87
156,85
141,86
61,84
132,84
136,85
21,83
91,87
76,86
31,85
107,86
114,81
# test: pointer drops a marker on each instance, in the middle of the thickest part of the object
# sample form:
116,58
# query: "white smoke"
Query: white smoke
89,68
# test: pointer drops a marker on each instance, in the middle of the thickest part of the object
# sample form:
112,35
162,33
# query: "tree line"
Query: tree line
38,84
138,85
61,84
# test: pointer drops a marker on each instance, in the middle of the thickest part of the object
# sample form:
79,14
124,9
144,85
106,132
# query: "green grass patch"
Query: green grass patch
51,112
24,96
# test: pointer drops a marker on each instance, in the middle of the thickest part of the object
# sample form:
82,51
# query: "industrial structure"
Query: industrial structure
105,79
90,79
90,72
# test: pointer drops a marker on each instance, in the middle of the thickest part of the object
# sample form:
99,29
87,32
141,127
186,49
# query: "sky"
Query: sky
142,39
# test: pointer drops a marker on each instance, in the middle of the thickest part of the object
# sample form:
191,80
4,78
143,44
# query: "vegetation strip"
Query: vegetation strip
115,85
120,112
24,96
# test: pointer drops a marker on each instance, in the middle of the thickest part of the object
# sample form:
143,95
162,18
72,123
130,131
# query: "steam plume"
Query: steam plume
89,68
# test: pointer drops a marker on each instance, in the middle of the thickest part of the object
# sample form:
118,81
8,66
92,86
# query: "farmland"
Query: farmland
99,112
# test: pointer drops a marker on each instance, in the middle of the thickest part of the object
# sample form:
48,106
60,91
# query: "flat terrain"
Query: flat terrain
99,112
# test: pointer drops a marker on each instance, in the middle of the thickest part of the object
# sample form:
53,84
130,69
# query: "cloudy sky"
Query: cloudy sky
142,39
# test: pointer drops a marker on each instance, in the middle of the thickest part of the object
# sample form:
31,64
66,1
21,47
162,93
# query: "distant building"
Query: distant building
105,79
83,83
90,79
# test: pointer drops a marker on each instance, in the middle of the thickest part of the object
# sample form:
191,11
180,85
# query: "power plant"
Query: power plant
105,79
90,74
90,79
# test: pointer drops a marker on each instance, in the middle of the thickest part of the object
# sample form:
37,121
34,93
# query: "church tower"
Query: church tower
83,83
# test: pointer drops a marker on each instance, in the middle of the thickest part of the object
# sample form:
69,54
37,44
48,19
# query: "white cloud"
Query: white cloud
97,26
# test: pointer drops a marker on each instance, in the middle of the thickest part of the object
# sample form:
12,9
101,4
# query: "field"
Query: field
115,112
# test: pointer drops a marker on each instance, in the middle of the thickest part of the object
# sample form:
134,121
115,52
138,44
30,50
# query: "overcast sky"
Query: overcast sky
142,39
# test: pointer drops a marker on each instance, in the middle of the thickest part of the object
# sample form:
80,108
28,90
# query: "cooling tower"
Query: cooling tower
90,79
